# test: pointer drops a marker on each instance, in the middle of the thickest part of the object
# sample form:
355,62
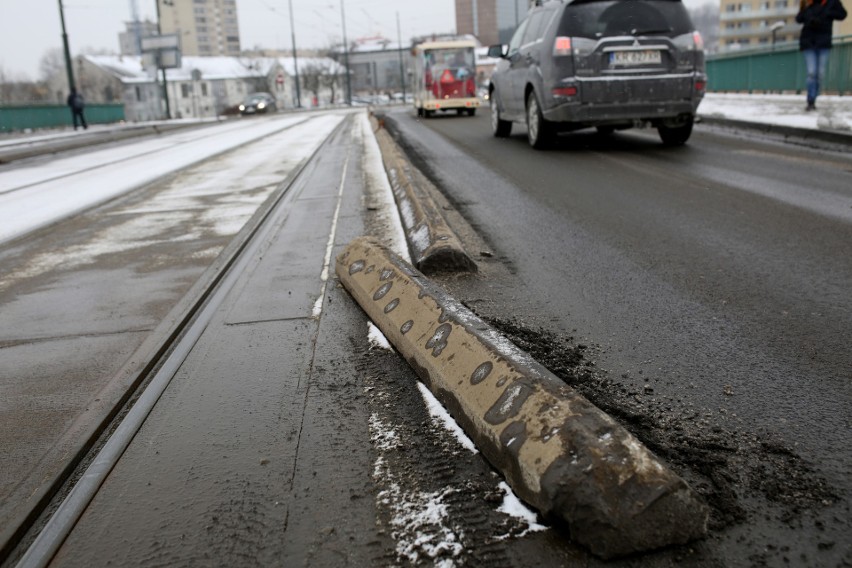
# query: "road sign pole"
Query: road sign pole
166,94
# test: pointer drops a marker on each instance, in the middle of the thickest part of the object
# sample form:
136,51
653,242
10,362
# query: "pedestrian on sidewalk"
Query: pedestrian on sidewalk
77,104
817,17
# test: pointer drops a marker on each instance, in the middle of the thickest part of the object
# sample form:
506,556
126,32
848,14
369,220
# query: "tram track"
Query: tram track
38,199
174,141
37,534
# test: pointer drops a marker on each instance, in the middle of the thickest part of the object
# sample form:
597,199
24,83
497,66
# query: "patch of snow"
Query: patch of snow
514,507
216,197
419,520
377,180
441,417
34,197
420,525
377,338
382,436
834,112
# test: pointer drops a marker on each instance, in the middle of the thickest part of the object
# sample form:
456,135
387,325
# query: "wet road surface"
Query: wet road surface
712,286
285,437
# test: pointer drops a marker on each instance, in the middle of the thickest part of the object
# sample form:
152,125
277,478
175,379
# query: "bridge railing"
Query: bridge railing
781,68
21,117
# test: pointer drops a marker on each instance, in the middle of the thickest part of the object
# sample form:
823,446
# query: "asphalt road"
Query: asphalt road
712,285
699,295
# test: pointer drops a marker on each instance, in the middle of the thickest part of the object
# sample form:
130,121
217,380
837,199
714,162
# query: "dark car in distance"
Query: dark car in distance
258,103
608,64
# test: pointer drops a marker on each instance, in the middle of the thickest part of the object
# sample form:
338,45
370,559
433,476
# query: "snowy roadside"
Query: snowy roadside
834,112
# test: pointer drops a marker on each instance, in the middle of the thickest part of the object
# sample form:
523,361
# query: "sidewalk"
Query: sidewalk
785,113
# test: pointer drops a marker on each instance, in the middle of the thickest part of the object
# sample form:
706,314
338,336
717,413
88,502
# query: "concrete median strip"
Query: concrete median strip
559,453
434,246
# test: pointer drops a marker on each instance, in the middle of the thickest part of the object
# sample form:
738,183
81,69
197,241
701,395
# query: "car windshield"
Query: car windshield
254,99
604,18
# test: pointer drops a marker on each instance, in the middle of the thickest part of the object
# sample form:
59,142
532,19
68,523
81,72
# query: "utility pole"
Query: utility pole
69,68
295,61
165,82
401,65
346,57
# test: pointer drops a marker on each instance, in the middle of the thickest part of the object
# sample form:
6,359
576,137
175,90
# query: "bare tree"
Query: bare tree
17,88
52,63
331,79
311,77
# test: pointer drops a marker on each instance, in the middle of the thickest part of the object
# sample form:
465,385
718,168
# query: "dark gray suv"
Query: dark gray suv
609,64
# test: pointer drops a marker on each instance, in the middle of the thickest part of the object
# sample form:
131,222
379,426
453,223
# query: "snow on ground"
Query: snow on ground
376,338
442,418
833,112
216,197
34,197
514,507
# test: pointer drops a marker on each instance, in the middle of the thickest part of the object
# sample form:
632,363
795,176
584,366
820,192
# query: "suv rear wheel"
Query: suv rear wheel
501,128
540,132
675,135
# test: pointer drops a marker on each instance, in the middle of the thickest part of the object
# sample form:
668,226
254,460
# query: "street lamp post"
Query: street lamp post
775,27
295,61
346,57
69,69
163,69
401,65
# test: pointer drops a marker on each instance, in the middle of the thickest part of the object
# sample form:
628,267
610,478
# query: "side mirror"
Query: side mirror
498,51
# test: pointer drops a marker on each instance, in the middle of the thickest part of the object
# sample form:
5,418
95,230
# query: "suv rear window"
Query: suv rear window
594,19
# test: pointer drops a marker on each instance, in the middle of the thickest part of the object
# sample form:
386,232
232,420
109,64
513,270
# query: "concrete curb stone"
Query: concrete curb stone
558,452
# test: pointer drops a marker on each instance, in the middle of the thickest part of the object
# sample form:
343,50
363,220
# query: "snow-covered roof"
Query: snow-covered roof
376,43
129,68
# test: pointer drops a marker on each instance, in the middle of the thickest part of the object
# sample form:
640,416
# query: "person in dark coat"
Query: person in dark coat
77,104
817,17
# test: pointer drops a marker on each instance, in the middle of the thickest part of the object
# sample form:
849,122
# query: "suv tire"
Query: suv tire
540,132
675,135
499,127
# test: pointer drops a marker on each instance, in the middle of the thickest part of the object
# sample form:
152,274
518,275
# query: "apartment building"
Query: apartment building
205,27
752,23
490,21
129,40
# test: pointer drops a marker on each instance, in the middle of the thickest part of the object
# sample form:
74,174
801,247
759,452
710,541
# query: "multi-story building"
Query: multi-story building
129,40
749,23
205,27
490,21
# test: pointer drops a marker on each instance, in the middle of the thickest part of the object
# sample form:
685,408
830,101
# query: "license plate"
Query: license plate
635,57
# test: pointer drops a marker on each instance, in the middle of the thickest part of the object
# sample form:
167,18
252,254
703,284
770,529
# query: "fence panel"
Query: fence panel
21,117
779,69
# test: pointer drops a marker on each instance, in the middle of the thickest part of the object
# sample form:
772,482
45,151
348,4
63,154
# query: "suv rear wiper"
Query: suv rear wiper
637,31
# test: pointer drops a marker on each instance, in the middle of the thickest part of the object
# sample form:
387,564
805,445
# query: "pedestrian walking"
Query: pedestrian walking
817,17
77,104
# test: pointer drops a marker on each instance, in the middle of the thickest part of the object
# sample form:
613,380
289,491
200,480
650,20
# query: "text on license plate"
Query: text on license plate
635,57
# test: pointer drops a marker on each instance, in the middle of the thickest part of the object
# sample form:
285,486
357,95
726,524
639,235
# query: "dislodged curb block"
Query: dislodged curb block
434,246
558,452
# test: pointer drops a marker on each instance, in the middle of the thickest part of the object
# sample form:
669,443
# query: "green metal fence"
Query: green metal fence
778,69
21,117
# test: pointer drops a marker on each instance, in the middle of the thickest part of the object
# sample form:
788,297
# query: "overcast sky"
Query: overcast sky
30,27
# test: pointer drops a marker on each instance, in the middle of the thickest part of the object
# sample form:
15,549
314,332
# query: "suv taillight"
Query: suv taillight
698,41
562,46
